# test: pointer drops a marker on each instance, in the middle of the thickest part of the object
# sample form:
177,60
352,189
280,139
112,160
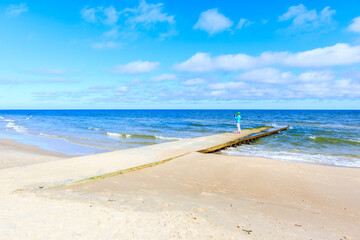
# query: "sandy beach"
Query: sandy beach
180,120
14,154
194,196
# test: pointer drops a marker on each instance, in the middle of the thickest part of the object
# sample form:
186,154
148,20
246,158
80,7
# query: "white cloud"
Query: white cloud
217,93
99,89
299,14
163,77
89,14
105,15
212,22
243,23
307,19
343,83
336,89
337,55
194,81
133,20
202,62
355,25
266,75
122,89
106,45
149,14
326,15
228,85
136,67
263,84
16,10
111,15
316,76
298,87
234,62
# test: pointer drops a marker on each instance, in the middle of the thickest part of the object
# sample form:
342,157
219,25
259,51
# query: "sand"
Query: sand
196,196
13,154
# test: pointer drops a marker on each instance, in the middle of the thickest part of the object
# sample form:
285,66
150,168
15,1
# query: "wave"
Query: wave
154,137
12,125
275,125
167,138
49,135
68,138
73,141
334,140
327,125
295,156
96,129
122,135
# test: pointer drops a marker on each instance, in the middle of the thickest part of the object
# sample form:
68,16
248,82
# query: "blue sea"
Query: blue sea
330,137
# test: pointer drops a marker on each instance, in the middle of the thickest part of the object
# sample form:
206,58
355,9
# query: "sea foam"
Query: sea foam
122,135
12,125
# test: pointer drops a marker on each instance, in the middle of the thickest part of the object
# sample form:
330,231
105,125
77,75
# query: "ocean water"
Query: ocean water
316,136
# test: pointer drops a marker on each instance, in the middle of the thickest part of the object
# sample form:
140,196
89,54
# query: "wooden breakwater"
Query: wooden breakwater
242,140
38,177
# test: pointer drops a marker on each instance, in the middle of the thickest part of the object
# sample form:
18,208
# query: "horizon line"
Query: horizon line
34,109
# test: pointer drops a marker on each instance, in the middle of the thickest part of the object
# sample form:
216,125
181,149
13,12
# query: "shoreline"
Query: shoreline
11,145
324,139
288,161
209,195
38,150
16,154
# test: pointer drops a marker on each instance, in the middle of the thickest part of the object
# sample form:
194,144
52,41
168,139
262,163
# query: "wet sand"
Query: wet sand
14,154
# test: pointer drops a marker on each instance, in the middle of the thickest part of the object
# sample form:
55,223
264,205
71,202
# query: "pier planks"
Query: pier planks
243,140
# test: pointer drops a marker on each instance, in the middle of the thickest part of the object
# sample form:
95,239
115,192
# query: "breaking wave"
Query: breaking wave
12,125
122,135
298,156
154,137
96,129
319,139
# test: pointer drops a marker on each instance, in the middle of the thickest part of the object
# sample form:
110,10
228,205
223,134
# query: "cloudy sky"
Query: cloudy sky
180,54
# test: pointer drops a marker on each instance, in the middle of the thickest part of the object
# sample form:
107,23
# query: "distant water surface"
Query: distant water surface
316,136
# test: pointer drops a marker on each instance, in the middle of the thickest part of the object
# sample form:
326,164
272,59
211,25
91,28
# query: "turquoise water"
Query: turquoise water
316,136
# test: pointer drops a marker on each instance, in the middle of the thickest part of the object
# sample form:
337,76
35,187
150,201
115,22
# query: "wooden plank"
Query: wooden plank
239,141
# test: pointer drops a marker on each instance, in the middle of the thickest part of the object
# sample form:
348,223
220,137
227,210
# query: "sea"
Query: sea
329,137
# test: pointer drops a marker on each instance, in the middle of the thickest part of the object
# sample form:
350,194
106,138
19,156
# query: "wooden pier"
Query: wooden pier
242,140
78,169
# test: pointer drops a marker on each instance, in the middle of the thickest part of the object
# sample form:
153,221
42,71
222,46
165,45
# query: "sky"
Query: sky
137,54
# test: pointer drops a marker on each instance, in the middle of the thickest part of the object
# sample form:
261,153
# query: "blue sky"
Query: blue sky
180,54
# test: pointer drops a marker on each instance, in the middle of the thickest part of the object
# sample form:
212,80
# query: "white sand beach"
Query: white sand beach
193,196
180,120
13,154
